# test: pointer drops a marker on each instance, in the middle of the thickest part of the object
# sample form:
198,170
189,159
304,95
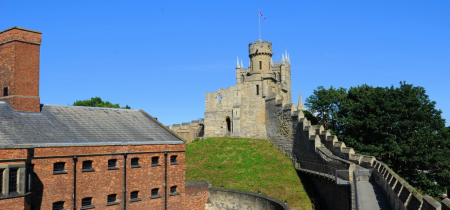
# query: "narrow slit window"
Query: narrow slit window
260,64
13,180
257,89
5,91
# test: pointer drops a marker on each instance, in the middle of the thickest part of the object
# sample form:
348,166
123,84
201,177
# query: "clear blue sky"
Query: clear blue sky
163,56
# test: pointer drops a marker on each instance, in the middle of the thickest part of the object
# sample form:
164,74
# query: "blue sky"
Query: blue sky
163,56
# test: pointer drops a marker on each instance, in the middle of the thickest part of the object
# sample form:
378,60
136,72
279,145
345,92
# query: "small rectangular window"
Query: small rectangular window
58,205
260,64
257,89
173,191
58,168
112,200
173,160
155,161
87,166
134,196
112,164
155,193
135,163
13,180
86,202
5,91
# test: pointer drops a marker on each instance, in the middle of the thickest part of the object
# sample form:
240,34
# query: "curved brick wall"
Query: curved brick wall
226,199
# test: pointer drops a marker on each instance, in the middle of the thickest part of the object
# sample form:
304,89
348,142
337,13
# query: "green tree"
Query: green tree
97,102
400,126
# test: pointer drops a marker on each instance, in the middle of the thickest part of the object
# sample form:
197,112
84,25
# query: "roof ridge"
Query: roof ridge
160,124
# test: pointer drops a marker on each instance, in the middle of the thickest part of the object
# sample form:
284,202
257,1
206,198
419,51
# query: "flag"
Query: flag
262,15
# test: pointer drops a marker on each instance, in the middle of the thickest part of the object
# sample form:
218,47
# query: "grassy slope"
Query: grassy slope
246,164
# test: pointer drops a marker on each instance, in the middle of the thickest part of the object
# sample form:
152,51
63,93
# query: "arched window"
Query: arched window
219,98
228,124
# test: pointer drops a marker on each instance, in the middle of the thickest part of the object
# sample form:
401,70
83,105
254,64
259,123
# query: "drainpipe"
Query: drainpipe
124,181
75,182
165,180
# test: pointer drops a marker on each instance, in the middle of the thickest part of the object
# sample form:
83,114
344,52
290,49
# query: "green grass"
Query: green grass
246,164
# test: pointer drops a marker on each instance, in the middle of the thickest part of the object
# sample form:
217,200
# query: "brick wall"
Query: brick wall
19,68
48,187
196,195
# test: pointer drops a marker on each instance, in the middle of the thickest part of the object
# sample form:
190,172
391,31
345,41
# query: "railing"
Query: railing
356,190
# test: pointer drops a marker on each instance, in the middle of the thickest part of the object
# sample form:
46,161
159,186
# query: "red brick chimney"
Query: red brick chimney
19,68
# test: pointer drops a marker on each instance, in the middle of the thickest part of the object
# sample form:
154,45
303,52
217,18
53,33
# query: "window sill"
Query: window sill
59,172
112,203
135,200
87,170
174,163
156,164
88,207
113,168
155,196
175,193
135,166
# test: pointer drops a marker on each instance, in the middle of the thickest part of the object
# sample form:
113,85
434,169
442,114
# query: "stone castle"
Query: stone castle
239,111
259,106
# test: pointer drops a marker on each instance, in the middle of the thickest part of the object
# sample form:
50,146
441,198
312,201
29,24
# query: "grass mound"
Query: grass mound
246,164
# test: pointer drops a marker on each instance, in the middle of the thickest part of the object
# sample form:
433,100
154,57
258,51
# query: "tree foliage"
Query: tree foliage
398,125
97,102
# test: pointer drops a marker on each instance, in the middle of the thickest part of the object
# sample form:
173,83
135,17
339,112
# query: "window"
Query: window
155,161
13,180
58,168
58,205
112,164
257,89
5,91
260,64
173,160
173,191
155,193
87,166
134,196
86,203
219,98
135,163
1,182
112,200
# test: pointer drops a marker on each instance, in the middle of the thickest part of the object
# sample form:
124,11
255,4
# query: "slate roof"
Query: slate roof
75,125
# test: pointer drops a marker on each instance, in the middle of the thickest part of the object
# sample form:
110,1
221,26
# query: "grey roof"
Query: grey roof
76,125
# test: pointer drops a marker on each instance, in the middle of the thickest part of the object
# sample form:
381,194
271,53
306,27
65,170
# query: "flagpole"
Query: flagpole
259,22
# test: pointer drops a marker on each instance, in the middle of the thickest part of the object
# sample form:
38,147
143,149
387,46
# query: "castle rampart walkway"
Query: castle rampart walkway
371,196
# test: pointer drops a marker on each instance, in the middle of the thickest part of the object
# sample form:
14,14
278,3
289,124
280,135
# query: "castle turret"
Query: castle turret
260,53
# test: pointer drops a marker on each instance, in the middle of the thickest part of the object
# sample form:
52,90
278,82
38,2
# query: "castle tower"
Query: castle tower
19,68
260,53
240,110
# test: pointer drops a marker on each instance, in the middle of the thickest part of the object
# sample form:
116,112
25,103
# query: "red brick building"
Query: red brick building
66,157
